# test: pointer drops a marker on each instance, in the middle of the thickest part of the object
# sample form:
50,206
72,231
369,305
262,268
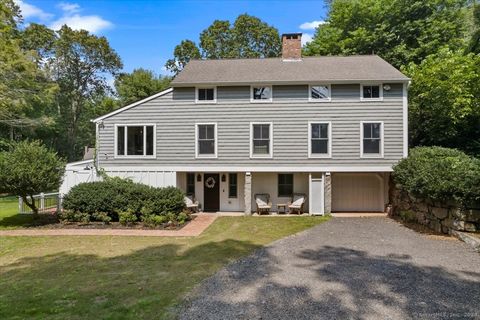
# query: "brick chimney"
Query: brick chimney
292,46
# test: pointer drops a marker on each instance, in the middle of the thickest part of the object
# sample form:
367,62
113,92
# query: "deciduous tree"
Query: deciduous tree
445,101
79,65
400,31
139,84
248,37
29,168
183,53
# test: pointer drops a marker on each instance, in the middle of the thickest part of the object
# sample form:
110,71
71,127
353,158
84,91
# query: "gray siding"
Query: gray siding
175,115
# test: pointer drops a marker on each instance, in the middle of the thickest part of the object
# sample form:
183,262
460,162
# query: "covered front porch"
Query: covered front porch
236,191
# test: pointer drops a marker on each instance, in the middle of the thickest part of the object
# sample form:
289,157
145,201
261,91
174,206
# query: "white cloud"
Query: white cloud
306,37
31,11
69,7
91,23
312,25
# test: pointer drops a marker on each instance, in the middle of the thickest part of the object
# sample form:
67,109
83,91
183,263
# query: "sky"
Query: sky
144,33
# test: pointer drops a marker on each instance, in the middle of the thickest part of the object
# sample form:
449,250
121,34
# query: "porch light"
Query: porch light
199,177
224,178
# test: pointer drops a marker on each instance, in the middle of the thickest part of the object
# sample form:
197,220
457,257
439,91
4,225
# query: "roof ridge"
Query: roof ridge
280,58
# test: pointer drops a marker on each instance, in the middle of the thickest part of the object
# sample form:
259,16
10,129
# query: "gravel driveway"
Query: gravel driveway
362,268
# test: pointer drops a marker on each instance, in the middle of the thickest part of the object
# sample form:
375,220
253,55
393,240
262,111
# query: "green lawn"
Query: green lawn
124,277
9,217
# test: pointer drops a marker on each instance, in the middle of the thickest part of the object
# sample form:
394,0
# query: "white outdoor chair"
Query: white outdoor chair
297,203
191,203
263,203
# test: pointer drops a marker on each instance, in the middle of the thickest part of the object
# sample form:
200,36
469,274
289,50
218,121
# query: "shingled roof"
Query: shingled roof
276,71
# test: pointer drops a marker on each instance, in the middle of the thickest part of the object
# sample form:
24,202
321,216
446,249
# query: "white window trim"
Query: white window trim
206,101
319,155
261,101
380,98
266,156
117,156
205,156
371,155
329,99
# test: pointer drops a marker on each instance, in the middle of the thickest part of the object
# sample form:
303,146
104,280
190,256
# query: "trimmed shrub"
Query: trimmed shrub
127,217
102,217
74,216
183,217
164,200
440,174
110,196
105,200
152,220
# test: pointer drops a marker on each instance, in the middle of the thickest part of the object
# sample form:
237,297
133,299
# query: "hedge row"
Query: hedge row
440,174
117,199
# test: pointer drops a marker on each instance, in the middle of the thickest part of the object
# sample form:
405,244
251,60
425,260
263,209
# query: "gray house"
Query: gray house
328,127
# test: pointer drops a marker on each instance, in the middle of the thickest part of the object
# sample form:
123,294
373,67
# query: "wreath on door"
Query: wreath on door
210,182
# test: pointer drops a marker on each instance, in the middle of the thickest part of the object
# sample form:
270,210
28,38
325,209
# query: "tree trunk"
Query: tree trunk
31,204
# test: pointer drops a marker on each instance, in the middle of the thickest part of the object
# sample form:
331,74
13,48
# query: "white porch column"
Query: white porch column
328,193
248,193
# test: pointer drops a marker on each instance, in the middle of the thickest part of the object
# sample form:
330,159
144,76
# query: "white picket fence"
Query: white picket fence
45,202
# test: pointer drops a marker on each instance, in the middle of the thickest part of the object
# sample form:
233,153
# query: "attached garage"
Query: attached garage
359,192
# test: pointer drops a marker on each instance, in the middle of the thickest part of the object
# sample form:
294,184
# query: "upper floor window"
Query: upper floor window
371,92
372,139
232,185
206,140
261,140
135,140
206,95
285,184
319,139
319,93
190,184
261,94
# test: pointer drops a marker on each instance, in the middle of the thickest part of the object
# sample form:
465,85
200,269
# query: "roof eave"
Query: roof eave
282,82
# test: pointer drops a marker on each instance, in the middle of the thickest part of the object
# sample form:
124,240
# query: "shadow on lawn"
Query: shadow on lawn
142,285
339,283
28,220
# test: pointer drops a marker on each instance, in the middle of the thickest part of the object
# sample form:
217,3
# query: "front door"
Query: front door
211,192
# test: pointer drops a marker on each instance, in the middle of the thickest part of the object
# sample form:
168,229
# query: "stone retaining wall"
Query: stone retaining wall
436,216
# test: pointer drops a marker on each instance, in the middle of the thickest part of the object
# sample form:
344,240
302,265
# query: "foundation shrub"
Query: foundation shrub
440,174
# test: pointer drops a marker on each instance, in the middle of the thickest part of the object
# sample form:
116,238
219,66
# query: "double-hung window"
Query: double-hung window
206,95
261,140
135,141
206,140
232,185
285,185
371,92
261,94
371,139
319,93
320,143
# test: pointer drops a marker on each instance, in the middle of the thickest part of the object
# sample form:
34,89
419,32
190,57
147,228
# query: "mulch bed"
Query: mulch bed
50,221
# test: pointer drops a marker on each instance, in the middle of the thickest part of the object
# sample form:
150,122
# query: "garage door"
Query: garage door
362,192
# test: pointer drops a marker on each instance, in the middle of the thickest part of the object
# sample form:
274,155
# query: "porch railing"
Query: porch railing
45,202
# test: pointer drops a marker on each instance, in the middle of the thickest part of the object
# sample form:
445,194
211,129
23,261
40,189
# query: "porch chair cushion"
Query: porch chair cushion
262,201
189,202
298,201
